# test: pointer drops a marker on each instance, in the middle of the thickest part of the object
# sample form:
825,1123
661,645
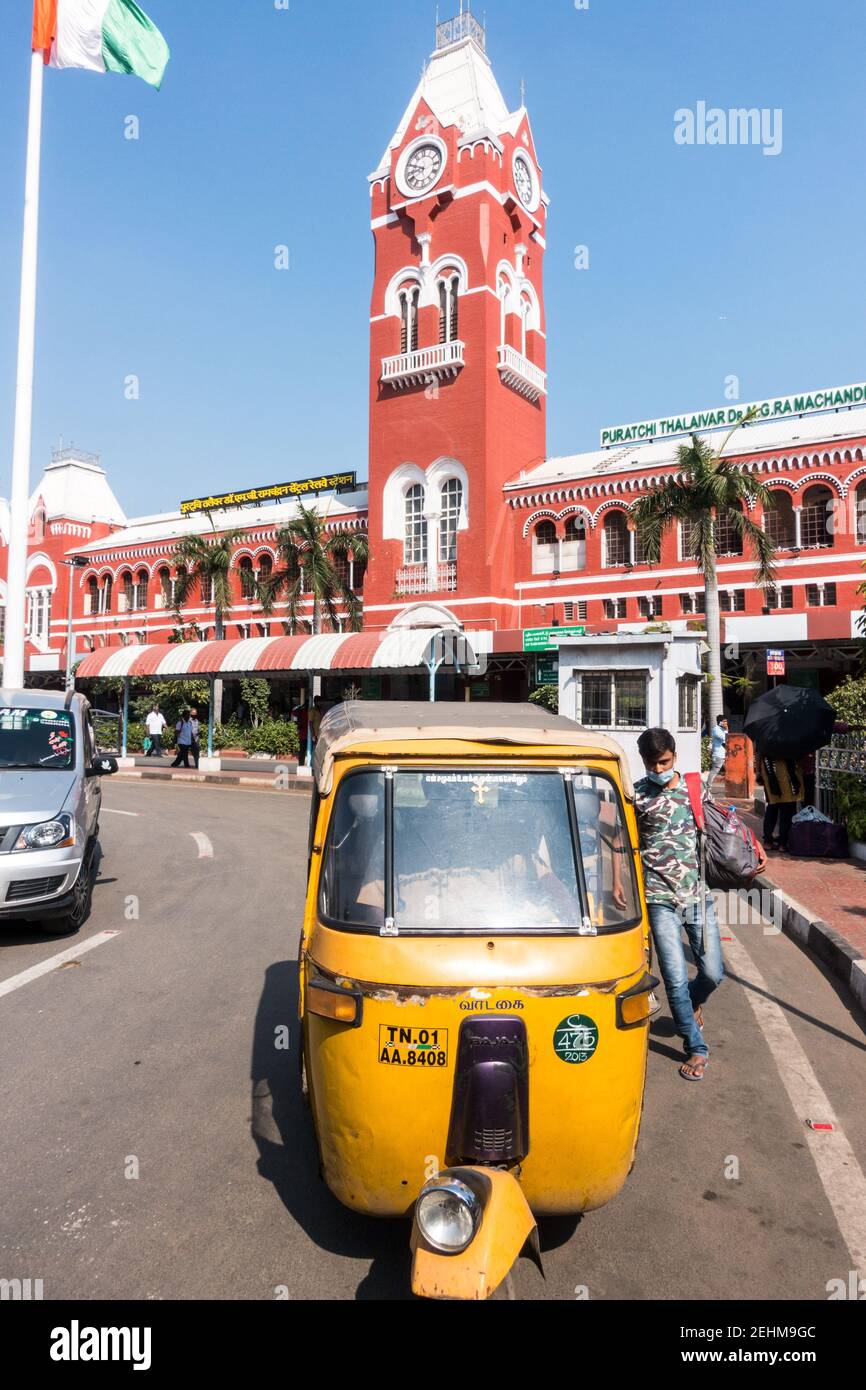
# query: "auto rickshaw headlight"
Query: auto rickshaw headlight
448,1212
633,1007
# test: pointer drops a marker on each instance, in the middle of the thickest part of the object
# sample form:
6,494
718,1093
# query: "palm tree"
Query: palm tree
308,559
206,560
705,491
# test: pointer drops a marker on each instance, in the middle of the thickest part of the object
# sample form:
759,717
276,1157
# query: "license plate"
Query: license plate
421,1048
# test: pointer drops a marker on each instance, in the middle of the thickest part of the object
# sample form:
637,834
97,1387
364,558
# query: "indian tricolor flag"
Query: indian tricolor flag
102,35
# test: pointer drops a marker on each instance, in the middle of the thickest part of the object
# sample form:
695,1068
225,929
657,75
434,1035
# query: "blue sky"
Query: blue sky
156,255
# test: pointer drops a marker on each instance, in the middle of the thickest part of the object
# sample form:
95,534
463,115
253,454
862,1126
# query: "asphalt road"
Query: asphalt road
152,1054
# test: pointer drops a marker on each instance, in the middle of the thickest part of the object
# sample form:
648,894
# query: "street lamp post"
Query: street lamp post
76,563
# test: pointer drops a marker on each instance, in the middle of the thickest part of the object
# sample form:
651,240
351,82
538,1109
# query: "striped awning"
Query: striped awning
403,650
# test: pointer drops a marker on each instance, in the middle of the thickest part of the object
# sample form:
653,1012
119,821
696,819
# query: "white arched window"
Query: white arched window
409,298
860,506
415,542
449,313
452,504
525,311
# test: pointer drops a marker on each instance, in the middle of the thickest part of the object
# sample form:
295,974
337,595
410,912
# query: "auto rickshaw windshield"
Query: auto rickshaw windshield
478,851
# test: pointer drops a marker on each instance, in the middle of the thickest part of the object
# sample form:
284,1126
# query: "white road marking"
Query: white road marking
45,967
205,848
112,811
840,1173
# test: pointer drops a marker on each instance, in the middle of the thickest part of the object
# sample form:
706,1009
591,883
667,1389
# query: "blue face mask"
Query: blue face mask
662,779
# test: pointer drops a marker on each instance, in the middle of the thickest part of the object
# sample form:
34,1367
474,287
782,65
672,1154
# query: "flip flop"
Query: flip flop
696,1061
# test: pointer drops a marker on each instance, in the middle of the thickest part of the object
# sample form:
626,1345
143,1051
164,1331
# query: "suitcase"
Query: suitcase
818,840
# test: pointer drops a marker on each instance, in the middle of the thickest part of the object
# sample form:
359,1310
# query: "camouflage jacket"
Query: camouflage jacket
668,843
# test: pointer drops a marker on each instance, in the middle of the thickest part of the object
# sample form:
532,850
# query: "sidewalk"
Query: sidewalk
823,907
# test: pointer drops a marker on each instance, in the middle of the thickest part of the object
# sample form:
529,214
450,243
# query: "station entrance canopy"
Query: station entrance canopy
411,649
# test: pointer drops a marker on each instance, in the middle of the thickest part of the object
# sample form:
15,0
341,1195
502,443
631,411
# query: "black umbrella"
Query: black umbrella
790,722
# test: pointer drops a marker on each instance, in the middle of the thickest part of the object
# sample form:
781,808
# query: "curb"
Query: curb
293,786
811,932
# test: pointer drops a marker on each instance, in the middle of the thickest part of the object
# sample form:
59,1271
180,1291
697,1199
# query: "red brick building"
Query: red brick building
470,523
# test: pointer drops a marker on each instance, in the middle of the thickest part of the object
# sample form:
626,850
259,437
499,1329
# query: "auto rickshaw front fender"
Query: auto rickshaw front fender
474,1275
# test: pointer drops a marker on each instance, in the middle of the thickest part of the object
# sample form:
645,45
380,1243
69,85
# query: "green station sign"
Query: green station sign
776,408
541,639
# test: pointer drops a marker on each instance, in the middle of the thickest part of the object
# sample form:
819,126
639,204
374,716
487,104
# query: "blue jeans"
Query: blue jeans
684,995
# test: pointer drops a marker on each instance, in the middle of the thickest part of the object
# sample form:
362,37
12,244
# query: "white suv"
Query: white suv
50,796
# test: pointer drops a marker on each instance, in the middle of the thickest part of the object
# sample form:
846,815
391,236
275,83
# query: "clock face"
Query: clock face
524,181
423,168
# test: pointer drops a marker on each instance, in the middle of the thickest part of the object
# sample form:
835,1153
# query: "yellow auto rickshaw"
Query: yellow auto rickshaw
474,976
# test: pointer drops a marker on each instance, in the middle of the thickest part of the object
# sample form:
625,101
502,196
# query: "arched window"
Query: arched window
573,556
503,292
525,311
545,549
728,540
452,504
266,568
815,531
141,589
248,582
107,585
128,590
164,578
617,546
449,313
779,522
340,566
409,298
860,513
415,544
359,572
92,595
206,587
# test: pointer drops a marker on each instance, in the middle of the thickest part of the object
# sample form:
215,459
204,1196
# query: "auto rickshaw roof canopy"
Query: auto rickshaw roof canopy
353,726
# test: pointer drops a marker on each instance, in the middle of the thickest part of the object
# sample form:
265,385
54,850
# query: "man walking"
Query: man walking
196,742
676,896
155,723
718,749
183,729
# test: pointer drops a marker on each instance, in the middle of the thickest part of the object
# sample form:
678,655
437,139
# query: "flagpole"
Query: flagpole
19,520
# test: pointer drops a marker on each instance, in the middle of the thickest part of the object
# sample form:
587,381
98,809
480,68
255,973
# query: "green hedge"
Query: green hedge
278,737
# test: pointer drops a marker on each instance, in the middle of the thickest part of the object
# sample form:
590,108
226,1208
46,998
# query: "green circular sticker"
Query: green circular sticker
576,1039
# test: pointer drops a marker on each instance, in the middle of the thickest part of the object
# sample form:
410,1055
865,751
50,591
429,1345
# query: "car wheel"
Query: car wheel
73,920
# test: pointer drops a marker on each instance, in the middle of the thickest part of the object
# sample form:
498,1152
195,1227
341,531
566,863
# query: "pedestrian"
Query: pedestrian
301,718
183,729
718,748
196,730
782,780
155,723
676,896
317,714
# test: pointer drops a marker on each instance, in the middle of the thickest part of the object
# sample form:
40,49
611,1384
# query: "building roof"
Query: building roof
171,526
791,434
74,486
460,88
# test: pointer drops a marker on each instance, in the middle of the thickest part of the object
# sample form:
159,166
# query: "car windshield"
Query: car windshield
36,738
481,851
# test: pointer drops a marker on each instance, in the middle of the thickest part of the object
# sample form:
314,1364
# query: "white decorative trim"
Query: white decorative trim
40,558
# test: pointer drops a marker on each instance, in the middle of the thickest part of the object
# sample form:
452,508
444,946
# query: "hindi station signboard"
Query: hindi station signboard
307,487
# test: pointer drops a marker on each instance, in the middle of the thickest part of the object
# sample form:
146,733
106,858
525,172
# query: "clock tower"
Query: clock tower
457,340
